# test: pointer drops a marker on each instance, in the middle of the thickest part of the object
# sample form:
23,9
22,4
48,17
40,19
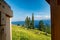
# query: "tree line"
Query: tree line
29,24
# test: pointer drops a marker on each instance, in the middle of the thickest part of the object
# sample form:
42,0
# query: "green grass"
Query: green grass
21,33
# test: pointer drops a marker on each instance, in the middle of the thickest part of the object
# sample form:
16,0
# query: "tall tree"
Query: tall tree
48,30
41,25
27,22
32,21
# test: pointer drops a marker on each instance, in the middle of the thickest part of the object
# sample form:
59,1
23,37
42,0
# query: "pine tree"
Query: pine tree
27,22
48,30
32,21
41,26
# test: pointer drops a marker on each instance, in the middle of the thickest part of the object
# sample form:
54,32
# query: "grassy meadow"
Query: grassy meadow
21,33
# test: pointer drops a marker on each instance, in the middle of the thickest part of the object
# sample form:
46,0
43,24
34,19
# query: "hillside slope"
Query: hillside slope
21,33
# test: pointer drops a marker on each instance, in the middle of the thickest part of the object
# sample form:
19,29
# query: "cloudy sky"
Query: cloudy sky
23,8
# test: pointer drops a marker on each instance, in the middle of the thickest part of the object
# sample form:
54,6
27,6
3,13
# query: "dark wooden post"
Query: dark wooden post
55,18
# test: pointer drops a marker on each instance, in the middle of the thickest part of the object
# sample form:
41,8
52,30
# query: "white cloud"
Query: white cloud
42,17
47,16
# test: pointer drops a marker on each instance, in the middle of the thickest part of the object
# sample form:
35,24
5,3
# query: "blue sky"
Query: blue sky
23,8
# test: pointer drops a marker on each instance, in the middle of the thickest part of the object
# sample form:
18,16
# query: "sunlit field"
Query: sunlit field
21,33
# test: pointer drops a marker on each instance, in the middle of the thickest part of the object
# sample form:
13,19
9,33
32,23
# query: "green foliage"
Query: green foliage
18,24
41,26
20,33
45,28
29,23
32,21
48,29
26,21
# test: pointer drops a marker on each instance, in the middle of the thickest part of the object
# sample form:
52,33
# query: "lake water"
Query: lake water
36,22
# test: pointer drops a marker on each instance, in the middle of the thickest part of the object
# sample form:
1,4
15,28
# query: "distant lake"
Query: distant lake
36,22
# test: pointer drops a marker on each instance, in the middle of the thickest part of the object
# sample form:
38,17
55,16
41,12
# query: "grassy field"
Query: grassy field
21,33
